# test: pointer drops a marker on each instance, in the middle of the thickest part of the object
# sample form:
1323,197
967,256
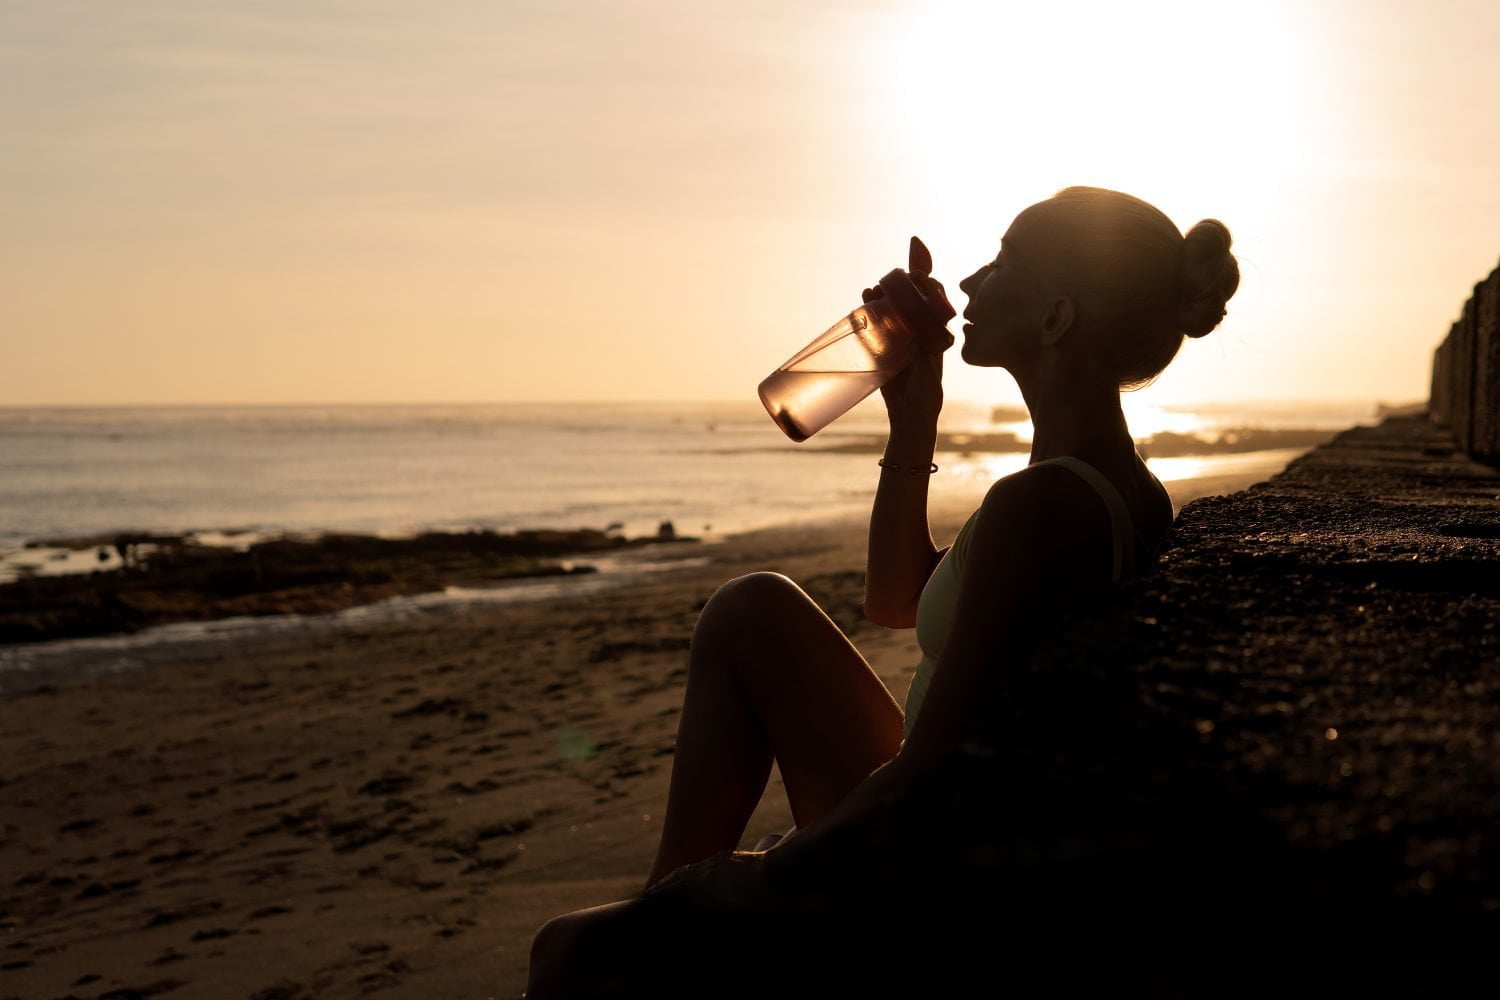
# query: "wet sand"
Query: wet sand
391,808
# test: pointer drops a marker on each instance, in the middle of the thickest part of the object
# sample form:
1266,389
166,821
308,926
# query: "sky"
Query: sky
329,201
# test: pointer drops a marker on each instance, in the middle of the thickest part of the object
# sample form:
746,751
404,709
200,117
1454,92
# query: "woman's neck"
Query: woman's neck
1078,416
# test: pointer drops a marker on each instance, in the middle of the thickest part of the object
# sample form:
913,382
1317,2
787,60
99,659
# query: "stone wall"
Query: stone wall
1465,393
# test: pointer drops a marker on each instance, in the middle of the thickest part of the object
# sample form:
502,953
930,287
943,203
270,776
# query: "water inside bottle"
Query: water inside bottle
799,400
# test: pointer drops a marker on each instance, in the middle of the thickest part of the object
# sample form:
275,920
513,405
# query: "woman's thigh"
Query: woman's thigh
828,718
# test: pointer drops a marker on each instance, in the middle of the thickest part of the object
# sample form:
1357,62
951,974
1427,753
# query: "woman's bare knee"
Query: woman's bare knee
757,588
747,601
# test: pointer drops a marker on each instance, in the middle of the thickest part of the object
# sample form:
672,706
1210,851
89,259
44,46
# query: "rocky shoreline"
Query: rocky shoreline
1331,641
170,578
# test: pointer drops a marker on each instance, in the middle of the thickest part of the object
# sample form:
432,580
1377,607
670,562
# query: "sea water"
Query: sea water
230,475
710,468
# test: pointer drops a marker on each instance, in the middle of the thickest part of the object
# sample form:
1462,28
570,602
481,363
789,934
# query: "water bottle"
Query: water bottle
858,354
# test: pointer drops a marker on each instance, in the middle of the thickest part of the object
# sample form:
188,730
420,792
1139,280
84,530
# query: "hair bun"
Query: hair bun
1210,274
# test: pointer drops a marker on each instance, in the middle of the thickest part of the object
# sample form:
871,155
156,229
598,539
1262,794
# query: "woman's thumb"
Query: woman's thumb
919,258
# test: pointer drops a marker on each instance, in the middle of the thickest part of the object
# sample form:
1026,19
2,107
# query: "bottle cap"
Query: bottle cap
928,315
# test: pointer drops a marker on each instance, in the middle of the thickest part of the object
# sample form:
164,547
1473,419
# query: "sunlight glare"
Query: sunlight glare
1202,109
1181,102
1171,470
1146,419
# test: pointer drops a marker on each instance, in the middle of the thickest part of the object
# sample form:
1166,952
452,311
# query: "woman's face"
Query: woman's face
1005,305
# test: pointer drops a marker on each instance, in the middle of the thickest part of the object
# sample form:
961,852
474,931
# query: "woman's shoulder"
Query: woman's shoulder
1065,495
1051,511
1042,499
1039,485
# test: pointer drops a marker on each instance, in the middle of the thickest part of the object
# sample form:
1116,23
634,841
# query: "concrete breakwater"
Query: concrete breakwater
1465,392
1330,639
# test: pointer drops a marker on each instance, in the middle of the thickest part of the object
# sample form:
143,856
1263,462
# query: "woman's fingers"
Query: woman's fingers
938,342
930,287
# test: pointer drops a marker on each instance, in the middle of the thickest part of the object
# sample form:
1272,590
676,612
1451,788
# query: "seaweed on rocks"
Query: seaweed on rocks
182,581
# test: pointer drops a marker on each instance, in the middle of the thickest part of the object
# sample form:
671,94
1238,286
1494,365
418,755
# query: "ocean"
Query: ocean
233,475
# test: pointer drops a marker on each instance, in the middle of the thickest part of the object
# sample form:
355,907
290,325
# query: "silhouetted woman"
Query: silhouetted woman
1092,291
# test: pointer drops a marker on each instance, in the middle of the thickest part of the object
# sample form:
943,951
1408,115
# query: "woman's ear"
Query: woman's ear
1057,319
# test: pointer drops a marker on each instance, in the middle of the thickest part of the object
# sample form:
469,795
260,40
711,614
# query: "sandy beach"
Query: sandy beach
386,808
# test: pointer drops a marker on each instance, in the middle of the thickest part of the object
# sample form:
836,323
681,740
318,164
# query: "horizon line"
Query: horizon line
638,401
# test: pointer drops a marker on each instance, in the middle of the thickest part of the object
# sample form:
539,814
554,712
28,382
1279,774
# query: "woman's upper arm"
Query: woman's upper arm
907,617
1034,534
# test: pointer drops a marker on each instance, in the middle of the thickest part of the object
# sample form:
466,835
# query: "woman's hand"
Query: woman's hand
732,881
914,397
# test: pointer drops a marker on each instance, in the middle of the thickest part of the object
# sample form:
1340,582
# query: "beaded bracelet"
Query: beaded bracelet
909,468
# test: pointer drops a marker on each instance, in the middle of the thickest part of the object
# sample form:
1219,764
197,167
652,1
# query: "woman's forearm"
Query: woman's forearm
901,553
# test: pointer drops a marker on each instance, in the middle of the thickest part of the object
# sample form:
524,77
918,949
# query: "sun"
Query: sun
1179,97
1202,109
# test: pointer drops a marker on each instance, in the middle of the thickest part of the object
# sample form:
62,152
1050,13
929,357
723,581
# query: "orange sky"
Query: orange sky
320,201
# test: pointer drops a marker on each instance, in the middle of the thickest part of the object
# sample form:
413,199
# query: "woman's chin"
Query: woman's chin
971,357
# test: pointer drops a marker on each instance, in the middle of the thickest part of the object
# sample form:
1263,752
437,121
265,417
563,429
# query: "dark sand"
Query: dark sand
389,807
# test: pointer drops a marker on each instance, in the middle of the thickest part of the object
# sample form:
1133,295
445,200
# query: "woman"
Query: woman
1092,292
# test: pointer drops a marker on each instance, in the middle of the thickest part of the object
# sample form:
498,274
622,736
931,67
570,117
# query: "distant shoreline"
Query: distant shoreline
1167,444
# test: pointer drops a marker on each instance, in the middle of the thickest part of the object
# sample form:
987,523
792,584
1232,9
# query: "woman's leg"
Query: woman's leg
770,677
562,962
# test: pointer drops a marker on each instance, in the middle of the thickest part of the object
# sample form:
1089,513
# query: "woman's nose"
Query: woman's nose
970,285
